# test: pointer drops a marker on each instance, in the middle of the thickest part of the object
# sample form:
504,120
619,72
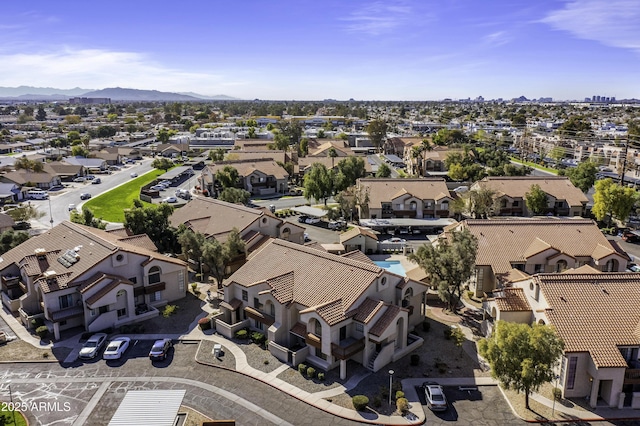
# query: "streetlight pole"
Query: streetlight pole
50,212
13,408
201,276
390,385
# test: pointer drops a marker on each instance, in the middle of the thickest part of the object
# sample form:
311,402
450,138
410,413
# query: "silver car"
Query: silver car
433,393
92,347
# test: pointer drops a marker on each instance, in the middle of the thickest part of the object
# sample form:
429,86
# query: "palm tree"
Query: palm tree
416,154
333,154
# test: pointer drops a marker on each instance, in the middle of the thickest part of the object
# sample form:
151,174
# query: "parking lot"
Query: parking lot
483,406
137,349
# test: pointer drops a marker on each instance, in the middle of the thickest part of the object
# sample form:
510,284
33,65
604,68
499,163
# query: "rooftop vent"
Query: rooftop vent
49,275
40,253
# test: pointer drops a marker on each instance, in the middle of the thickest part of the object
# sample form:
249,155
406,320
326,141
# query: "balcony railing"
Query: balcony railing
632,376
347,348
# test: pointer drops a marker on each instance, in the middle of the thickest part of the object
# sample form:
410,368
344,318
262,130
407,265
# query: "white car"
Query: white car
433,393
72,207
134,175
116,348
171,199
395,240
312,220
92,346
79,179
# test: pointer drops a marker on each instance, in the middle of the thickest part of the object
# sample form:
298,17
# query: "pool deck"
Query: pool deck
406,263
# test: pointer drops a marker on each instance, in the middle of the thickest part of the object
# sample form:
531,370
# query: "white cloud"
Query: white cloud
612,22
377,18
98,69
496,39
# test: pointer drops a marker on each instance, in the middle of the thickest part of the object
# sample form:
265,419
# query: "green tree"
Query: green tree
227,177
41,115
481,202
522,357
536,200
73,136
447,137
583,176
304,147
29,165
557,153
217,154
384,171
10,239
235,195
576,126
318,183
25,213
162,163
164,135
377,130
449,264
79,151
152,220
332,153
86,217
218,256
348,171
612,200
28,111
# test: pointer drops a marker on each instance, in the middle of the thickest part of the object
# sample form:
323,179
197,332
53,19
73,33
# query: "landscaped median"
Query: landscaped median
111,205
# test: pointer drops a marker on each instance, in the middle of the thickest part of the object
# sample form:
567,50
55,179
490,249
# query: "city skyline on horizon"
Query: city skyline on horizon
393,50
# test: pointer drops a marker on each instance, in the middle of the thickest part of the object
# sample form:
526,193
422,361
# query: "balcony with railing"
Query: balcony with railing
632,376
347,348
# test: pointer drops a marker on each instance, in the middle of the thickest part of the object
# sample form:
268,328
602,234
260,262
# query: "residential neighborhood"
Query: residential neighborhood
301,260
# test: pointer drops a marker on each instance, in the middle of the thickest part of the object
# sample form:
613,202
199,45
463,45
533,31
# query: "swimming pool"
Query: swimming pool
392,266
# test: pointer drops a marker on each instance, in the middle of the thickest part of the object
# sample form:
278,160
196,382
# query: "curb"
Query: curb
408,422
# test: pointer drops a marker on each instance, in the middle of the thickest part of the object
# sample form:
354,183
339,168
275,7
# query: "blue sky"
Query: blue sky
317,49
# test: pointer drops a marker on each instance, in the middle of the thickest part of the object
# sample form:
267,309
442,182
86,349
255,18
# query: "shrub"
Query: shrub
399,394
557,394
311,372
194,286
470,294
45,355
204,323
302,368
377,401
321,377
384,391
242,334
403,405
265,362
360,402
426,325
258,338
447,333
169,310
415,359
37,322
42,331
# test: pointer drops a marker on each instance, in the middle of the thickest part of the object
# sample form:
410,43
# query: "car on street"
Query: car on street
171,199
312,220
89,177
85,196
434,394
21,226
337,225
157,188
96,181
71,207
395,240
160,349
302,218
134,175
306,237
80,179
116,348
92,346
38,194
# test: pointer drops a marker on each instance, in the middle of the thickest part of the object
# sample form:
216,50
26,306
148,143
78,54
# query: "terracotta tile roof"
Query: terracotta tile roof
388,317
417,274
367,310
331,312
282,287
35,265
60,282
355,232
21,177
602,251
121,232
503,241
594,313
142,241
106,289
244,155
559,187
380,190
245,167
319,278
209,216
513,300
584,269
299,329
358,255
537,246
513,275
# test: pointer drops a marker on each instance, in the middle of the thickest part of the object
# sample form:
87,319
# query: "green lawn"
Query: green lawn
8,417
537,166
110,206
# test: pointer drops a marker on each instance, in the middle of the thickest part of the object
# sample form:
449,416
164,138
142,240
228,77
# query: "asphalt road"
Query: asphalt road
59,395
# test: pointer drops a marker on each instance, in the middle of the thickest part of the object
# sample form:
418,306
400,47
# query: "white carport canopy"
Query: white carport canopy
148,408
310,211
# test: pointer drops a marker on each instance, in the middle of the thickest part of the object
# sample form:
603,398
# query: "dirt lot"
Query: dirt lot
22,351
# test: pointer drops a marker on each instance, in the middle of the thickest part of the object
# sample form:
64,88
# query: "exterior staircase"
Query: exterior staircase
372,360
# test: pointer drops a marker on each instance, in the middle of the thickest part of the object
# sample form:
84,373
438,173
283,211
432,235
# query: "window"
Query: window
571,374
516,204
154,275
480,279
94,312
122,312
155,297
119,257
563,369
538,268
413,206
503,203
120,293
343,332
318,328
181,280
561,265
256,303
134,280
245,295
66,301
359,328
259,325
285,233
272,309
63,323
103,309
518,266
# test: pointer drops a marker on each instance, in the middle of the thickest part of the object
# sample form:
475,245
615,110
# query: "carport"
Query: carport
149,407
310,211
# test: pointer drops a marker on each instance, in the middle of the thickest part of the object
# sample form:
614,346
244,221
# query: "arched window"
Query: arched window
611,266
413,206
561,265
120,293
154,275
285,233
503,203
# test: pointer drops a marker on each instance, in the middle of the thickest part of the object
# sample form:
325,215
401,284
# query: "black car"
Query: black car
303,219
21,226
85,196
160,349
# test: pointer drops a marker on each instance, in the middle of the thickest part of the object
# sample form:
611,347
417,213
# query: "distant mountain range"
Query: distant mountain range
114,93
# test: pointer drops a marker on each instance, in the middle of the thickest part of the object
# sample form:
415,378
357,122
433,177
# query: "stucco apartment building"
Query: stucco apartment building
405,198
512,249
323,309
563,198
258,176
74,275
216,218
597,315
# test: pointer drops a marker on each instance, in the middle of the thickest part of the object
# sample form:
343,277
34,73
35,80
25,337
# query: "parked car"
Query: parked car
38,194
89,177
434,394
96,181
85,196
306,237
337,225
302,218
21,226
116,348
134,175
157,188
171,199
80,179
395,240
160,349
71,207
312,220
92,346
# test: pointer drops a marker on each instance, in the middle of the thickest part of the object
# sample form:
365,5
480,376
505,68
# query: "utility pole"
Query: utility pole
624,162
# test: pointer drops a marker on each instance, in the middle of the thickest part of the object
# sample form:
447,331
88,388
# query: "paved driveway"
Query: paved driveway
484,406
